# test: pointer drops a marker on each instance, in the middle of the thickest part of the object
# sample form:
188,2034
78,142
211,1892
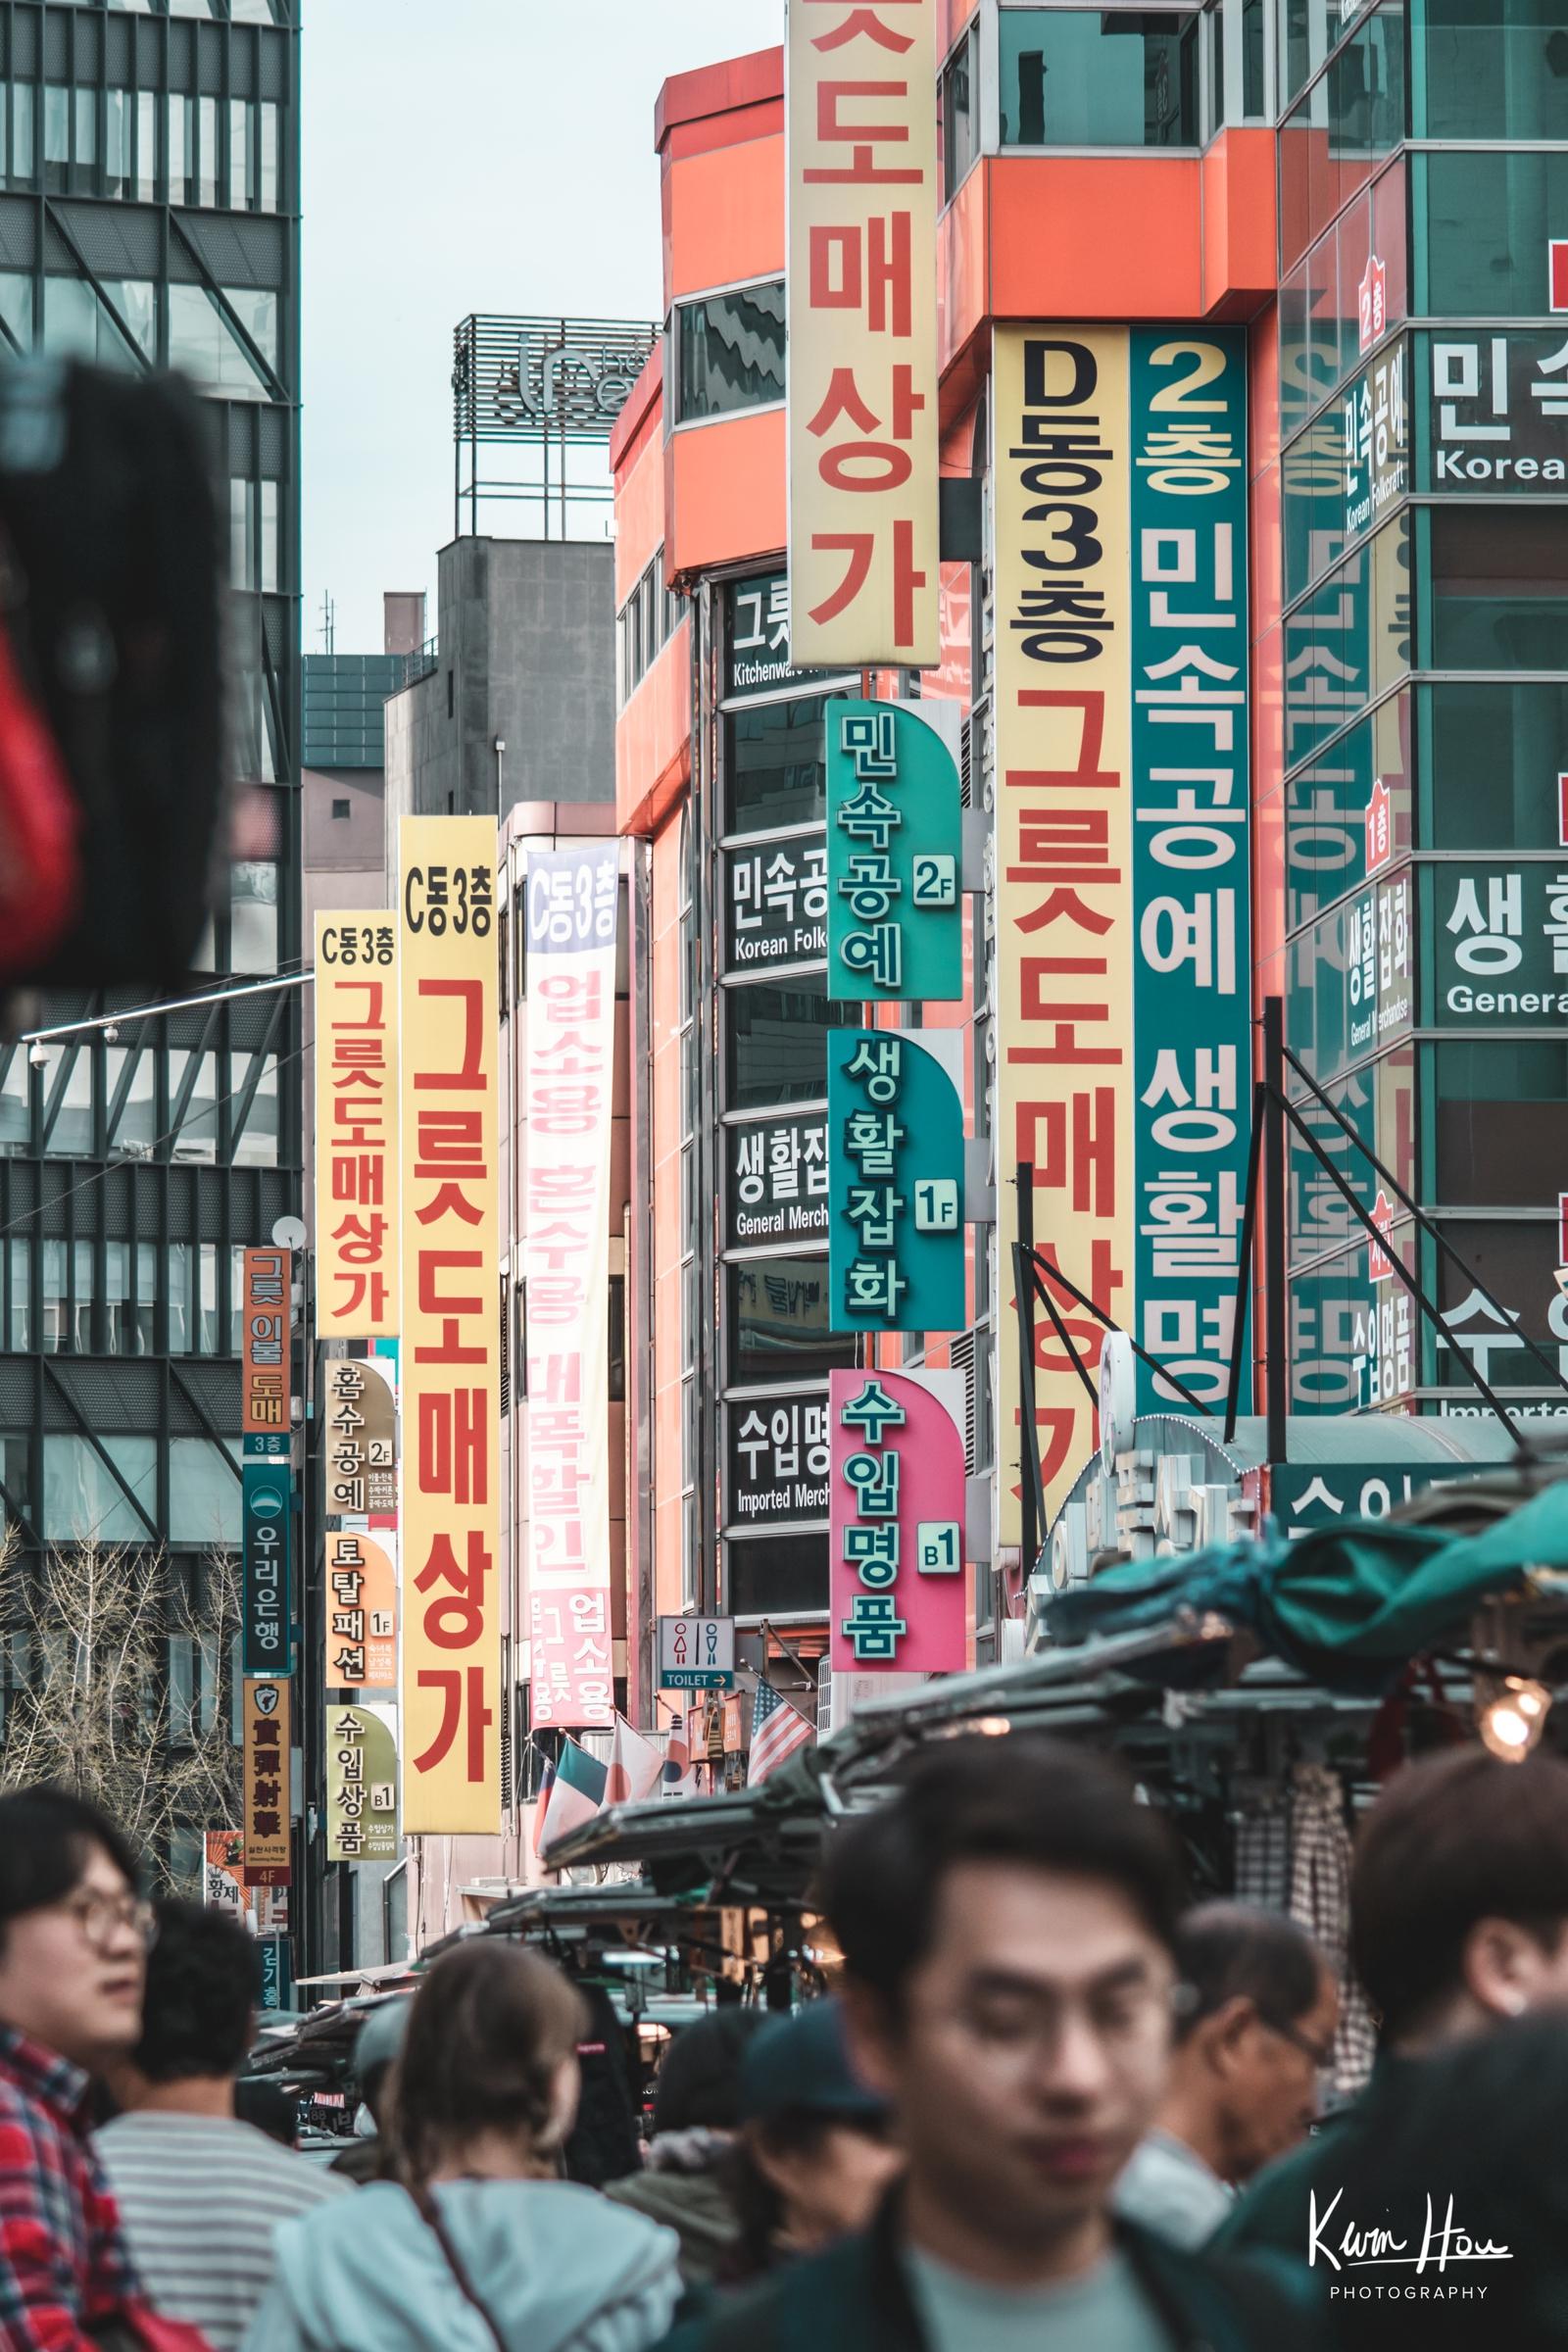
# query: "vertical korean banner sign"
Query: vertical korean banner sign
863,333
567,1106
450,1133
1192,984
1064,854
355,1127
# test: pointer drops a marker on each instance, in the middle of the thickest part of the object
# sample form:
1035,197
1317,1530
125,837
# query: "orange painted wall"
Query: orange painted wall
653,737
1095,237
639,506
726,494
724,217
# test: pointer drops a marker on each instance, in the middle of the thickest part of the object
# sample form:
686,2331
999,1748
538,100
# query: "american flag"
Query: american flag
777,1730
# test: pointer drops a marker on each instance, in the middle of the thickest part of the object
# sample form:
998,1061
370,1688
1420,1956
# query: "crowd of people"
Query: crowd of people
1051,2106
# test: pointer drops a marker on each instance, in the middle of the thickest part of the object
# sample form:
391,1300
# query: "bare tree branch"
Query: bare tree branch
122,1690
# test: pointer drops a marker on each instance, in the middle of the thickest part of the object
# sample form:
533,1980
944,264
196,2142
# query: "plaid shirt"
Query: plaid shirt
63,2268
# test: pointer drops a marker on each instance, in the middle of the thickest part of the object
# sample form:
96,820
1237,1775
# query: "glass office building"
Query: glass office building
149,217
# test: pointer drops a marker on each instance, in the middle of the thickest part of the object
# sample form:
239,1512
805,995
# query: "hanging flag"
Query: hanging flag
636,1766
779,1730
680,1773
541,1807
576,1793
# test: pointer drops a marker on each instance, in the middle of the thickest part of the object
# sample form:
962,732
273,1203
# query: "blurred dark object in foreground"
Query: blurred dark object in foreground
109,598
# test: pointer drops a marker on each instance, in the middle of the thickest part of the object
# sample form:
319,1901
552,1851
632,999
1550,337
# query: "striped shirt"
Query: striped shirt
200,2197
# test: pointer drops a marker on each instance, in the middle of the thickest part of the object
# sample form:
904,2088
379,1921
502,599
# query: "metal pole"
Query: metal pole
1276,1343
1244,1264
1433,1233
1029,1478
1401,1271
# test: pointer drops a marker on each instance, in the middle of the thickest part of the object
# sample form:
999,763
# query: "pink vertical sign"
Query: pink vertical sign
897,1586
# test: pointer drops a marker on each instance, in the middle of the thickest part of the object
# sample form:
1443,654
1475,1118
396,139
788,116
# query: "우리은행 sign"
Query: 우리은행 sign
863,332
895,918
898,1603
267,1491
895,1233
450,1363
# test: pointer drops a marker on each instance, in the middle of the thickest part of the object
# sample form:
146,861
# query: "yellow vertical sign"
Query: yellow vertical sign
450,1167
1064,907
863,333
355,1127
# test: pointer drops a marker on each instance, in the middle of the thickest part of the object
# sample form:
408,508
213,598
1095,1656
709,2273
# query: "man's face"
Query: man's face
71,1975
1272,2090
1031,2050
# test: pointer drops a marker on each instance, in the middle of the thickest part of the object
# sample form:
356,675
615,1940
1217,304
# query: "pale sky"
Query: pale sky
457,156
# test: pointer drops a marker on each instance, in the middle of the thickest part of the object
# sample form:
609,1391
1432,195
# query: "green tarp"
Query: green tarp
1347,1606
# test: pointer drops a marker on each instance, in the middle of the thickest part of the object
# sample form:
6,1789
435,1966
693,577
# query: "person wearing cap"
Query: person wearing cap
375,2052
813,2159
686,2181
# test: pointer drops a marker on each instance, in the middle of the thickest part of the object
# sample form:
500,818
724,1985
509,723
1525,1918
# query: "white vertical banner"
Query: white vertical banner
567,1100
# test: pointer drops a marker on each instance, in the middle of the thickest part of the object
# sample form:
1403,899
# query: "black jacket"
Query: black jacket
856,2298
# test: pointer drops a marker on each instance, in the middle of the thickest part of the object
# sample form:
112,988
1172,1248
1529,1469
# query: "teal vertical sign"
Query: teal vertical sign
896,1227
267,1509
1191,867
895,923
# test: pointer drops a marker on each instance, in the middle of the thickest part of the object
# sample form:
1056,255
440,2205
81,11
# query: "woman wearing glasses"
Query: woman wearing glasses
74,1938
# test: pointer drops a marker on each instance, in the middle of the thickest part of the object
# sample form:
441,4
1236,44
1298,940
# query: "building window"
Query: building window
19,162
958,112
1499,588
204,1494
340,810
253,915
1098,78
117,143
778,1043
775,772
730,352
240,171
643,626
83,1501
204,346
618,1339
147,146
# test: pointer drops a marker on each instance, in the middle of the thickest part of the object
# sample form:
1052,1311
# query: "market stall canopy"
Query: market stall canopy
1347,1606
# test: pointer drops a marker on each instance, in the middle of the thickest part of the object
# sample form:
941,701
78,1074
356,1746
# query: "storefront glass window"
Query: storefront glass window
778,1043
779,1312
775,765
1499,588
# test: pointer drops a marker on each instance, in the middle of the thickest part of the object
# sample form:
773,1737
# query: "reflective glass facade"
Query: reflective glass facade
149,196
1425,458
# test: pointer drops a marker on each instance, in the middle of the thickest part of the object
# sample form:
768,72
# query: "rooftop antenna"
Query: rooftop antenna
328,624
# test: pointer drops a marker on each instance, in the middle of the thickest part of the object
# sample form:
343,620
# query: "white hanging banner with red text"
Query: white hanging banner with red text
567,1100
